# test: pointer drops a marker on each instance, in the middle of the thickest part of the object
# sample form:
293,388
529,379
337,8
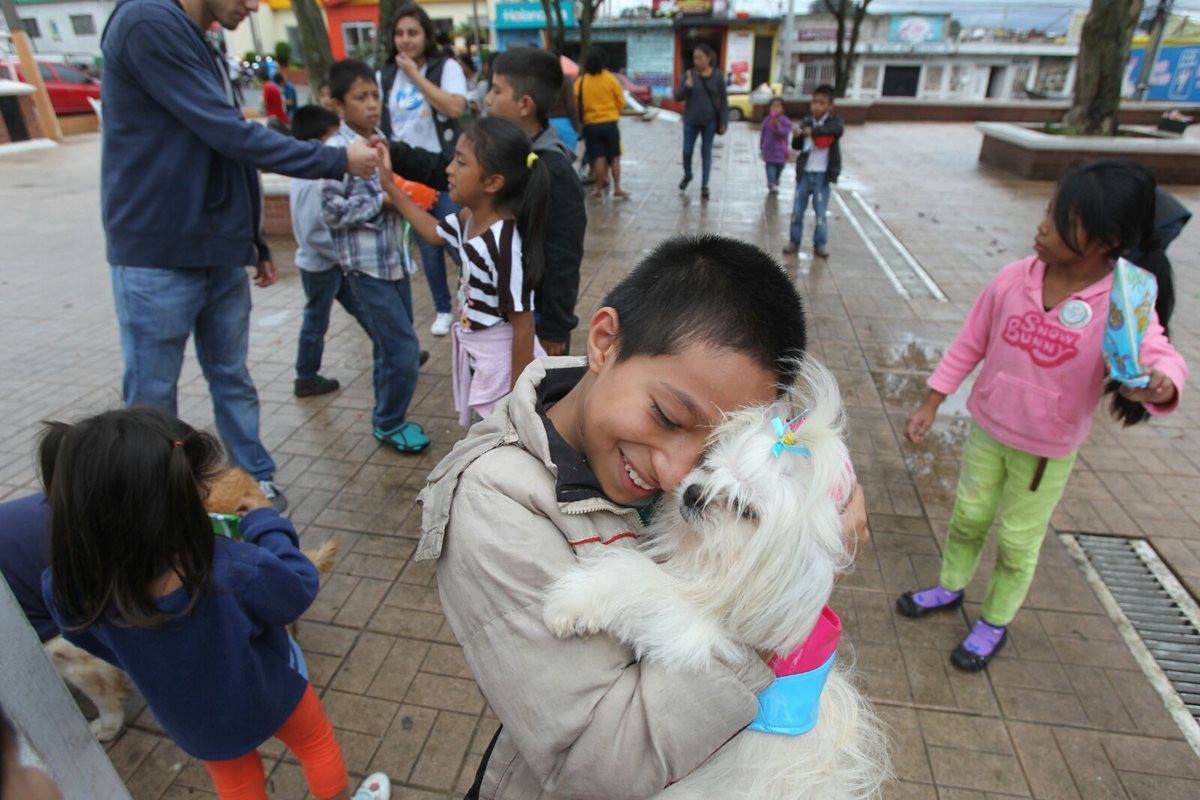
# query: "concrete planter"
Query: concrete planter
1030,153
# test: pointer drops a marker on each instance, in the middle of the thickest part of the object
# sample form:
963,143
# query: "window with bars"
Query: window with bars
32,28
1020,78
958,78
83,24
870,78
933,77
815,73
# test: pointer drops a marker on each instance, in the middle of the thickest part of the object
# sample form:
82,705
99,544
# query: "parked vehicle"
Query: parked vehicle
69,87
640,91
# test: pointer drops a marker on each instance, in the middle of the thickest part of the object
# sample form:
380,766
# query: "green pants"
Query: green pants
996,476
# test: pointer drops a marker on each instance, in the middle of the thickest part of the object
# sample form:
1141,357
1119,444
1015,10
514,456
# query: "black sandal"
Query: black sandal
909,607
968,661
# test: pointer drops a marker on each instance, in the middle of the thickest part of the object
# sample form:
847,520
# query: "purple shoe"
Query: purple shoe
981,644
936,598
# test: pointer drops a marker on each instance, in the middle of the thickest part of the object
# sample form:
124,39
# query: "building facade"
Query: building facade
66,29
914,55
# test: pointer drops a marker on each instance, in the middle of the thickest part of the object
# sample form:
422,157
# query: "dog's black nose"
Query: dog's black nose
692,496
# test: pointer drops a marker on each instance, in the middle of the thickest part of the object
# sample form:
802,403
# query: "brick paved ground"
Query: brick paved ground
1062,713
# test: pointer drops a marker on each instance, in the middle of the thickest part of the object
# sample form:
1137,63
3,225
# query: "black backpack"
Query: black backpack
447,128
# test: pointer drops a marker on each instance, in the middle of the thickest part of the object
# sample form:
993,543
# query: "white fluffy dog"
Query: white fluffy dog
745,554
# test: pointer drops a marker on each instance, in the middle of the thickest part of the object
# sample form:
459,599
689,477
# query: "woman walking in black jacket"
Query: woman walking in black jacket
705,114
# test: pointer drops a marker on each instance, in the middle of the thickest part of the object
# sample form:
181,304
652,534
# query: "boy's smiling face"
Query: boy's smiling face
643,423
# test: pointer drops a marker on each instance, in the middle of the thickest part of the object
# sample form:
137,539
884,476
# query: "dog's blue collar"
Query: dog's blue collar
790,704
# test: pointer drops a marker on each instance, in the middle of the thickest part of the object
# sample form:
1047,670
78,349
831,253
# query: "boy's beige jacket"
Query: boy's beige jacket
582,718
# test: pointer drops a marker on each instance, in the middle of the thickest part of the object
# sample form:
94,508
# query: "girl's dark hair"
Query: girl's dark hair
595,60
124,490
407,9
502,148
714,291
1113,200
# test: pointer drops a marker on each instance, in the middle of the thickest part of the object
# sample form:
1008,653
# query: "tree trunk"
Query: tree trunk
314,37
383,36
587,13
848,13
1100,68
554,24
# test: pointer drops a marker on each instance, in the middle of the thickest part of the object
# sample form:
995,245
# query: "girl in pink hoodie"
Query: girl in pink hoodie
1038,329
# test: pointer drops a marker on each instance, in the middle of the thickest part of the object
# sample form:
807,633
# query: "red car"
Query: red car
640,91
69,87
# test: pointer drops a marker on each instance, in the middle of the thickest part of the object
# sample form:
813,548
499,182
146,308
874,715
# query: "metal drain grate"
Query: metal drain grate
1157,617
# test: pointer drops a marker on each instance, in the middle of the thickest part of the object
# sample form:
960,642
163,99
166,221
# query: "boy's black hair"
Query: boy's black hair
502,148
595,60
410,9
825,90
534,73
125,508
279,78
344,73
313,122
1113,201
715,291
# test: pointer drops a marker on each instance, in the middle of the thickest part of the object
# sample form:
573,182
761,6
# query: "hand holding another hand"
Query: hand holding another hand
362,159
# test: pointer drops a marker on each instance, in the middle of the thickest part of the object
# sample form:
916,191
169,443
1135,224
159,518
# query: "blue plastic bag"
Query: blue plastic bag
1131,303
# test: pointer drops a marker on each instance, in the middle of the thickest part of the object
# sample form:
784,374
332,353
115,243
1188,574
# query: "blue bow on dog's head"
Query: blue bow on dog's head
785,434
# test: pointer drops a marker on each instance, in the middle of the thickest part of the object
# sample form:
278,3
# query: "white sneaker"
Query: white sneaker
441,324
273,493
377,786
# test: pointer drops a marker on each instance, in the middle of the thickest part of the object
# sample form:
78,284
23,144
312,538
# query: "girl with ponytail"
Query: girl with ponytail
138,578
503,190
1038,330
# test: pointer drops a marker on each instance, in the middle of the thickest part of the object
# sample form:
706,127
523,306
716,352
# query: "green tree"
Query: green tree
849,15
1103,50
314,38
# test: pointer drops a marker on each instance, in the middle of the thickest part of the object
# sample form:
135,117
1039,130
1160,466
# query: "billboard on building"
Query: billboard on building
739,57
672,8
913,29
1175,77
519,16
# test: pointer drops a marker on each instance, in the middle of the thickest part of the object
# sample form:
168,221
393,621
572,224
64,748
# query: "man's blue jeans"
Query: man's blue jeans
386,306
320,290
433,260
814,185
706,134
158,309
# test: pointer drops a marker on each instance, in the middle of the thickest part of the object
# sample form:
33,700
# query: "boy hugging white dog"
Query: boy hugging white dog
744,552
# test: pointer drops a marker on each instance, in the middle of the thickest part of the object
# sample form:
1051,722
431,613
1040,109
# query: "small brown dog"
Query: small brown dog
105,685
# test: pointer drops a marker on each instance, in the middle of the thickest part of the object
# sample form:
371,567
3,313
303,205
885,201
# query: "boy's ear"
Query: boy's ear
604,338
526,107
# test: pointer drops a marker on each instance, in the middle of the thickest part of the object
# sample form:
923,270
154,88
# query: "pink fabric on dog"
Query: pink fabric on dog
815,650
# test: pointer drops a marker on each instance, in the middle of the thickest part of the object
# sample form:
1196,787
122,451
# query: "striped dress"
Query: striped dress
493,282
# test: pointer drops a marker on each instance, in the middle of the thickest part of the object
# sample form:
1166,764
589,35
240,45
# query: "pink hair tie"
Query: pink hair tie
179,444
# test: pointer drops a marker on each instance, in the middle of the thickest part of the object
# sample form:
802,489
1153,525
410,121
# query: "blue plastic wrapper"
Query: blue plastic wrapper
790,704
1131,303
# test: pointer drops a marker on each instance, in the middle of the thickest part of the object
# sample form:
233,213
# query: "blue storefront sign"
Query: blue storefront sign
1175,77
529,16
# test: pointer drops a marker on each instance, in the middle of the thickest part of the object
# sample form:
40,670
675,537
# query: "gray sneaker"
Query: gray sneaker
273,493
791,249
821,252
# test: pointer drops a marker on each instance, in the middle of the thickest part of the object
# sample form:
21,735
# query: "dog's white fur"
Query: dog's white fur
744,554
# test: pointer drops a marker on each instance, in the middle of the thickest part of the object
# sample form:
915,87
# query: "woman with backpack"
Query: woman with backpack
706,112
424,94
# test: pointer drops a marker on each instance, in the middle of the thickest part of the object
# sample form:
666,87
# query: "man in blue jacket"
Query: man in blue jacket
182,209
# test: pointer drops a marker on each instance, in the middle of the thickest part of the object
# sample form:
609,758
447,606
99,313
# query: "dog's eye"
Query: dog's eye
747,513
